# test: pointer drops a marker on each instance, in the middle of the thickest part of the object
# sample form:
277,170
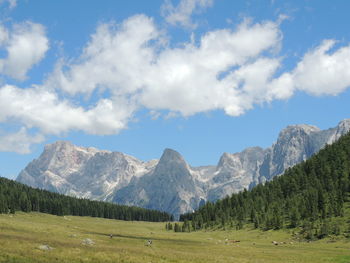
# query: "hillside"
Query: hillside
311,195
15,196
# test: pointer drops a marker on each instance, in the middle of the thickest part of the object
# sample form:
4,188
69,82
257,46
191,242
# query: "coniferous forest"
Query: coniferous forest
309,196
19,197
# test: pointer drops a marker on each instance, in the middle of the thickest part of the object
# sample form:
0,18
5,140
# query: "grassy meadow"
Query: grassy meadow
22,234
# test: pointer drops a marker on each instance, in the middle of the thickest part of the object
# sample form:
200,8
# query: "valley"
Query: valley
174,131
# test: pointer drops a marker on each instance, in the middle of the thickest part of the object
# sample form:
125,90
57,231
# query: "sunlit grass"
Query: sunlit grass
22,234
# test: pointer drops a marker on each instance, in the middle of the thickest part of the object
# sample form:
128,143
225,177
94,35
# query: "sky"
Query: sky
202,77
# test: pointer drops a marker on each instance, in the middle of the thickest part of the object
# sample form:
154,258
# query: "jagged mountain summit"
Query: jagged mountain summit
83,172
169,187
170,184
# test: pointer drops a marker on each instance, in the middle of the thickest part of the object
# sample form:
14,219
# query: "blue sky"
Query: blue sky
200,76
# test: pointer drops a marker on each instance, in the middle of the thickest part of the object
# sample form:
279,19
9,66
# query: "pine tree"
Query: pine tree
177,227
294,217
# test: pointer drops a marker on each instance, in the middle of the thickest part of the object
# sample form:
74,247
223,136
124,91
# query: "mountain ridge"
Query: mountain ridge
170,183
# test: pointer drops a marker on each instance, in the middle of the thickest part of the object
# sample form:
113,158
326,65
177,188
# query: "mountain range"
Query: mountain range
170,184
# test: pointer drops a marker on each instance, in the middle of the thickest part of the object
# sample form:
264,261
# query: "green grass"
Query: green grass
21,235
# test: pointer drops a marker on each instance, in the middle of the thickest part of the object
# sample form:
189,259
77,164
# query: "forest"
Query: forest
15,196
309,196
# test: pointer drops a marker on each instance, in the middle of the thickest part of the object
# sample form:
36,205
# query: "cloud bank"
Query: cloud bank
131,66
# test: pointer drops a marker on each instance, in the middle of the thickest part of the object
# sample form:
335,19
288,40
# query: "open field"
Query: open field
22,234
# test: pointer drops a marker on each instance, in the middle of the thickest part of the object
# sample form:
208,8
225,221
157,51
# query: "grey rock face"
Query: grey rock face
170,184
53,168
335,133
83,172
170,187
294,145
235,172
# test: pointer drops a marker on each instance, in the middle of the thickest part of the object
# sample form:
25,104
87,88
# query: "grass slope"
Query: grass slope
21,235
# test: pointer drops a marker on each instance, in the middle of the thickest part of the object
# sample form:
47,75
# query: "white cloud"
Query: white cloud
12,3
131,66
135,67
132,62
39,108
322,72
281,87
181,14
3,35
25,46
319,72
19,142
116,58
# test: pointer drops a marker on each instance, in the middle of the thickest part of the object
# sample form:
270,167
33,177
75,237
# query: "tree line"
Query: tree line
309,196
15,196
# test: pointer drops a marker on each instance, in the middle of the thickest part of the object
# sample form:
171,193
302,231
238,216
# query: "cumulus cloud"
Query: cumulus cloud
19,142
116,58
322,72
319,72
131,66
132,61
39,108
224,70
25,45
181,14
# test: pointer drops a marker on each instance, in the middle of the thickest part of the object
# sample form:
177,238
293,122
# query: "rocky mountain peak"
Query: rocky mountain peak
297,130
251,154
343,126
66,147
172,163
294,144
170,187
225,158
63,157
59,145
344,122
171,155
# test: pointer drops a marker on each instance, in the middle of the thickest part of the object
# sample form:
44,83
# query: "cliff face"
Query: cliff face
83,172
295,144
235,172
170,184
169,187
